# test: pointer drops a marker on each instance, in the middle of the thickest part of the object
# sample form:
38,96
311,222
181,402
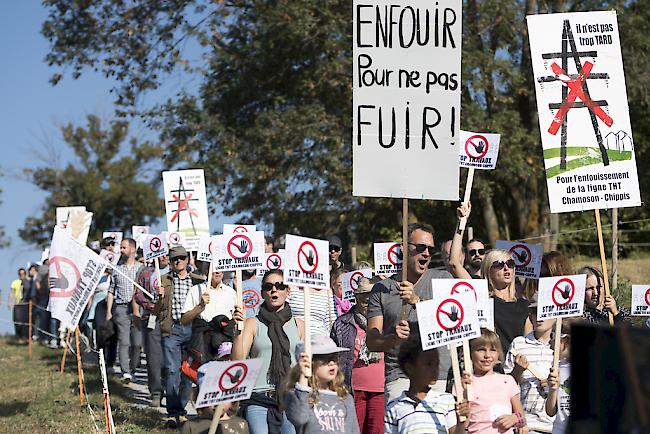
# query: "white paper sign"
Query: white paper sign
241,251
406,99
117,236
527,257
154,246
446,319
272,261
109,256
478,150
186,204
388,258
139,231
561,297
351,281
63,214
237,228
306,262
174,238
205,250
75,271
583,111
223,382
477,287
640,300
485,311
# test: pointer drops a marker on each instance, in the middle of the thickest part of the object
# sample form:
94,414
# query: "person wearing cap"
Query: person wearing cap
172,292
363,369
314,392
529,355
336,248
118,304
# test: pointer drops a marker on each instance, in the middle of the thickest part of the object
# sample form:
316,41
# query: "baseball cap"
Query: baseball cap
177,251
320,344
364,286
335,241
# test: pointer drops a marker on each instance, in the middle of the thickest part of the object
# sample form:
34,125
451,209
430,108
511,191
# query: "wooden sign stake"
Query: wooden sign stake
603,261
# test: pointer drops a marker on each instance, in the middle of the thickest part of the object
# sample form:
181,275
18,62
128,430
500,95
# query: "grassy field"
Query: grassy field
36,398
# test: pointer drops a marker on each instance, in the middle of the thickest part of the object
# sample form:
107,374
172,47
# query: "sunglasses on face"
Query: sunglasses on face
179,258
335,249
419,248
280,286
326,358
498,265
474,252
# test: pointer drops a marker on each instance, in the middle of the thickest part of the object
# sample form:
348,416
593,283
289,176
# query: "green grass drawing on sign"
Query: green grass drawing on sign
589,154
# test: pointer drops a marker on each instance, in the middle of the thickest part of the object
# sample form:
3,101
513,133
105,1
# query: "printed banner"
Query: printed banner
406,98
242,251
527,257
583,111
223,382
351,281
640,300
388,258
478,150
75,271
446,319
186,204
561,297
306,262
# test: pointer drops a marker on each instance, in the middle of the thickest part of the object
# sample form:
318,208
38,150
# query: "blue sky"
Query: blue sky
31,113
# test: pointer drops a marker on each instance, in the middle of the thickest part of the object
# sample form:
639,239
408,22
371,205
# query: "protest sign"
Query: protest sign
272,261
485,312
406,99
205,249
138,233
583,111
174,238
306,262
527,257
388,258
222,382
109,256
75,271
186,204
640,300
351,281
63,214
478,150
242,251
154,246
237,228
476,287
446,319
117,236
561,297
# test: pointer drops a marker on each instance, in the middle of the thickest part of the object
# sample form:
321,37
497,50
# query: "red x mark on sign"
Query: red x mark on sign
182,206
575,92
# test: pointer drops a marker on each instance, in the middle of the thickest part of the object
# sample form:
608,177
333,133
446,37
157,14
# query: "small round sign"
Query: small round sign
450,314
273,262
354,280
239,247
563,292
476,146
64,277
307,257
251,298
395,254
233,376
521,254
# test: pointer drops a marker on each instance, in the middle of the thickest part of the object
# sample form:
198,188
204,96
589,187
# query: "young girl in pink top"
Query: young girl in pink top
496,407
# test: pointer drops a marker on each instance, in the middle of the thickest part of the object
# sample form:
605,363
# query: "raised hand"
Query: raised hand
58,282
566,292
479,148
521,256
275,262
453,315
400,255
310,258
243,246
234,378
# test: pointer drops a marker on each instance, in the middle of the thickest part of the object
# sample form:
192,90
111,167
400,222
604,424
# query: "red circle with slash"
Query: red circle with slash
302,254
110,257
461,287
175,238
450,302
240,230
251,298
392,251
155,244
471,143
270,265
515,255
235,378
647,297
354,280
64,270
232,247
556,289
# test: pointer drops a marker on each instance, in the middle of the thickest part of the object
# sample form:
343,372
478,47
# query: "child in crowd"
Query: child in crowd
559,383
528,355
496,407
420,409
319,403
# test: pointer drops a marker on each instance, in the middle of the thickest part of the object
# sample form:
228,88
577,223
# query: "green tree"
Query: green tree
119,185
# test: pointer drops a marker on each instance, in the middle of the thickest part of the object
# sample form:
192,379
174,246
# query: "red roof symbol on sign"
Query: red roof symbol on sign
563,292
521,254
476,146
233,376
239,247
64,277
461,287
450,314
307,257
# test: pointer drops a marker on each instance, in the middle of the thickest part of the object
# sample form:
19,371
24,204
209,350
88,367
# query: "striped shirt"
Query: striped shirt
122,288
319,303
540,357
181,287
436,413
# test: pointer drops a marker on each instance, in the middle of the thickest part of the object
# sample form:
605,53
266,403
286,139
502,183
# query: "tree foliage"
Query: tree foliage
271,120
110,180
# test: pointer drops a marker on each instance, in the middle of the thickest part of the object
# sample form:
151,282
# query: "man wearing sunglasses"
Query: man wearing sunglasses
386,329
336,248
475,256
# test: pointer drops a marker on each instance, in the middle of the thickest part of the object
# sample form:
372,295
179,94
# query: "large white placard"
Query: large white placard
583,111
223,382
406,98
352,280
478,150
186,204
640,300
306,262
75,271
527,257
561,297
237,251
446,319
388,258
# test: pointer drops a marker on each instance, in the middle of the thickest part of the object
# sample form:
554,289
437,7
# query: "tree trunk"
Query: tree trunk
490,219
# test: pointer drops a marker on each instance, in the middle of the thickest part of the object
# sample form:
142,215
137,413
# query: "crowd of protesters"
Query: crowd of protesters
369,373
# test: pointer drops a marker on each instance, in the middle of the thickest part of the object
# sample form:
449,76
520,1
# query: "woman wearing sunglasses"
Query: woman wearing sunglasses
271,336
